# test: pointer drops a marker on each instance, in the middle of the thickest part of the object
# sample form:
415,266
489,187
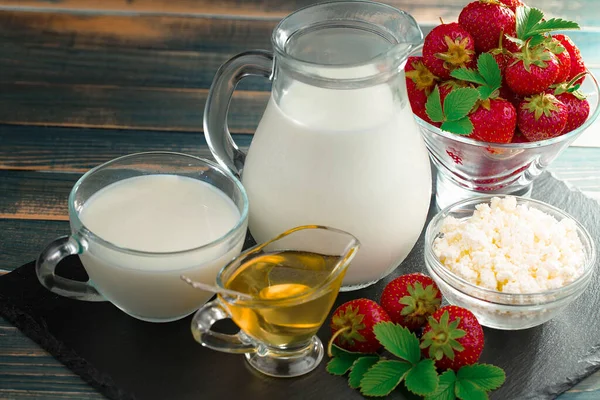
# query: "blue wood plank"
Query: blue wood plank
75,149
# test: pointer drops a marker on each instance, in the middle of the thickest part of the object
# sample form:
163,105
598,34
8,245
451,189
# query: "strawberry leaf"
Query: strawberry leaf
490,71
485,92
433,106
342,361
359,367
466,390
469,75
399,341
553,24
515,40
383,377
485,376
338,366
527,18
445,389
459,102
422,378
536,40
463,126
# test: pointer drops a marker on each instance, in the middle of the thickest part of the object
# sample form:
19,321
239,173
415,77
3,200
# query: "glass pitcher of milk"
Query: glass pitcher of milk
337,144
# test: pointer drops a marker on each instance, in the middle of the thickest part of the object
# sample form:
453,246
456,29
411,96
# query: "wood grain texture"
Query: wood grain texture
77,150
151,51
22,240
425,10
29,372
120,107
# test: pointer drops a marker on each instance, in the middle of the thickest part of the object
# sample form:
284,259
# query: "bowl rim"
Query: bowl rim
534,298
526,145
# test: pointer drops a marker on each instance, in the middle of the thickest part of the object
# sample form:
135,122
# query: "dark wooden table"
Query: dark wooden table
82,82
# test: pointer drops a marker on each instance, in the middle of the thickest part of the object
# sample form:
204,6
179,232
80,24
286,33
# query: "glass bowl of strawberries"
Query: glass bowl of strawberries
498,96
513,262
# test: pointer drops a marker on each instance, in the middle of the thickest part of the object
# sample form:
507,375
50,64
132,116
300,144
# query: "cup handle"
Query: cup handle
46,264
216,132
205,318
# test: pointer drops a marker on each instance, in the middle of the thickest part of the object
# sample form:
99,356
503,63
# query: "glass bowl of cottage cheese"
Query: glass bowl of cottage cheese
514,262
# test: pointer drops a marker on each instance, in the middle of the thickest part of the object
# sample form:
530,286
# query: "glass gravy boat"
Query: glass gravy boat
287,287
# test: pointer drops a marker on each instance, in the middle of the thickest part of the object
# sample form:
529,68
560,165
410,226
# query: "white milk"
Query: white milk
350,159
158,214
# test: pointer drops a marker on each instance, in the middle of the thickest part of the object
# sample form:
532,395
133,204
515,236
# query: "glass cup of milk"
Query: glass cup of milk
139,222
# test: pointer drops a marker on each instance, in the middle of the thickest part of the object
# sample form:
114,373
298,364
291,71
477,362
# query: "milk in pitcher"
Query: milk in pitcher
350,159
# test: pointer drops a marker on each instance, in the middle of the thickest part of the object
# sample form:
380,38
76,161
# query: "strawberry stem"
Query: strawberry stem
333,337
571,83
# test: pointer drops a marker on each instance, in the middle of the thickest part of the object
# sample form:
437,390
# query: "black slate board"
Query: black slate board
125,358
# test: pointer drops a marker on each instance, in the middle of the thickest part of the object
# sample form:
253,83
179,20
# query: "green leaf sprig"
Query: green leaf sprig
453,115
531,26
378,376
472,382
487,75
570,87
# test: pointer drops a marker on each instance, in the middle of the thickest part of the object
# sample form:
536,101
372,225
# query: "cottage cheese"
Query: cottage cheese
511,248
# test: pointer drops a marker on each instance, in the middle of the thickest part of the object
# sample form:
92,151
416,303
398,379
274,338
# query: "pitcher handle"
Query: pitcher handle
216,131
201,330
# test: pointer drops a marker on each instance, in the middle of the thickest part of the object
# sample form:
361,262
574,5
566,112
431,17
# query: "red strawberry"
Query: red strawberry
448,47
507,94
494,121
448,86
541,116
502,59
578,107
512,4
410,299
352,325
578,110
519,138
577,65
419,83
445,88
485,20
532,71
563,58
453,338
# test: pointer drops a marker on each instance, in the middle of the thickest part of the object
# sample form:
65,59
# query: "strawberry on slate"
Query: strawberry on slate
577,64
410,299
352,325
541,116
532,71
447,47
486,20
494,121
419,83
453,338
